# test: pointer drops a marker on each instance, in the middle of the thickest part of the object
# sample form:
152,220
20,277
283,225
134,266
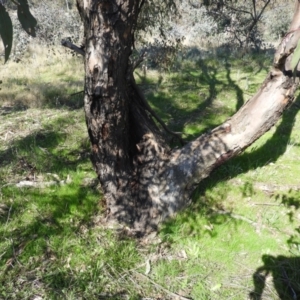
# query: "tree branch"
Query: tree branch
263,9
239,10
296,18
254,8
73,47
177,135
141,58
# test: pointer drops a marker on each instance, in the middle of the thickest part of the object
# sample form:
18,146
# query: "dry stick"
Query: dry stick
8,215
80,51
162,288
15,255
242,218
2,254
136,63
234,216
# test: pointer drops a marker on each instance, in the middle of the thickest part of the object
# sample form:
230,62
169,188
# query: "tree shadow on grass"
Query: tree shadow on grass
268,153
199,83
47,214
239,92
52,244
51,225
285,275
43,150
6,110
282,270
178,113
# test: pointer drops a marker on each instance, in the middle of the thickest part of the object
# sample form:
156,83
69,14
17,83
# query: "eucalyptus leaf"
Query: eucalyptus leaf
6,31
296,57
25,17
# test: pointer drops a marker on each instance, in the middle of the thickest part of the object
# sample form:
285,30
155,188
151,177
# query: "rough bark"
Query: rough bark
143,181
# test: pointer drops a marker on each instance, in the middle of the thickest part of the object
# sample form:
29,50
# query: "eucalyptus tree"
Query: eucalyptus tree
143,180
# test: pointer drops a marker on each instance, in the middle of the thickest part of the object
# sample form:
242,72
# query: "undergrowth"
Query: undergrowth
238,240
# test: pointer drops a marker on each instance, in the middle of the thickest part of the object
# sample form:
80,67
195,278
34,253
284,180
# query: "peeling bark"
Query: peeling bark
143,181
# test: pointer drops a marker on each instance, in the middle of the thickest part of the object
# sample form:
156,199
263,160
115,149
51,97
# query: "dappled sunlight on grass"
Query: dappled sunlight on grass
52,242
202,94
231,243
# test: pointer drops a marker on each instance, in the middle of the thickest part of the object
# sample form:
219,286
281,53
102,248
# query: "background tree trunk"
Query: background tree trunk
143,181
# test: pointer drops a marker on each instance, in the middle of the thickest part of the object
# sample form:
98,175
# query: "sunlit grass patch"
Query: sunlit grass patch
52,244
42,79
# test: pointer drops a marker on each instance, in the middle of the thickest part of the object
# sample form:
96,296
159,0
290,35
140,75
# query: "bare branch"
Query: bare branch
263,9
141,58
73,47
177,135
239,10
254,7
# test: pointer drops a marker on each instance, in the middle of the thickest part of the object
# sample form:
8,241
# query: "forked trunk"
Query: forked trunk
143,181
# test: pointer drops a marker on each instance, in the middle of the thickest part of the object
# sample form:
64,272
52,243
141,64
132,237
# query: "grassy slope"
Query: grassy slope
239,236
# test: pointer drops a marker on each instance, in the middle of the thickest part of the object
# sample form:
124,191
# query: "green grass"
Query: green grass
52,244
43,79
239,239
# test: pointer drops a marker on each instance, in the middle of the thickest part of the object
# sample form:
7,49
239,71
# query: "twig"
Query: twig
15,254
174,295
74,94
8,215
136,63
234,216
2,254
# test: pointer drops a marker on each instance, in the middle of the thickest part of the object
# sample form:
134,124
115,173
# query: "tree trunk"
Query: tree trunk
143,181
